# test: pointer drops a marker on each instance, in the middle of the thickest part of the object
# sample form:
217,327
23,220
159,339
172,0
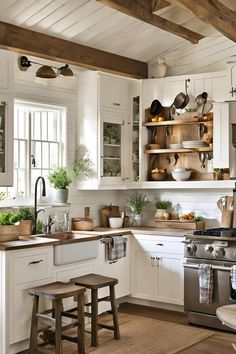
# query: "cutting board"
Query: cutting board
226,218
225,204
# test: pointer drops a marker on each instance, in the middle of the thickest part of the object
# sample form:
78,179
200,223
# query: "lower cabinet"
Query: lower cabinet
157,269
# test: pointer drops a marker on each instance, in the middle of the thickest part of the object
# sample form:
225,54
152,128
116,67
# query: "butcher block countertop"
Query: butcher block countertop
81,236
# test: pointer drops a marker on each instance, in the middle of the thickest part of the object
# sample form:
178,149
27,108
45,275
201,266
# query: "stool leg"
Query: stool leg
114,312
80,306
34,326
57,305
94,317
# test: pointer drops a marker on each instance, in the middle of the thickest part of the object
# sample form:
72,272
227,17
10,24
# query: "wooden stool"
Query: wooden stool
95,282
57,292
227,315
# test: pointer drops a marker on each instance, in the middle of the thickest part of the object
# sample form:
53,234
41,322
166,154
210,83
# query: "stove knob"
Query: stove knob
209,248
219,252
191,248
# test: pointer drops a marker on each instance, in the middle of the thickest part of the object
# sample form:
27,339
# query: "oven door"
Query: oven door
223,293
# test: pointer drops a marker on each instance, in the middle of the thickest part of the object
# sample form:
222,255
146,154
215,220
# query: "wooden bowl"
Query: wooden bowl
158,176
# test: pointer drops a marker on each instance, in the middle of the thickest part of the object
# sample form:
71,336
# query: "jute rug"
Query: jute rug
141,335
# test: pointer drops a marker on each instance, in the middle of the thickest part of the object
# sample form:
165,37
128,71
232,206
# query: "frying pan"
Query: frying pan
186,101
156,108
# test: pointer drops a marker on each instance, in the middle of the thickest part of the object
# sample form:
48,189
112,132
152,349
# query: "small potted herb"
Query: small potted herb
113,134
26,216
137,202
218,173
161,212
60,179
106,170
9,230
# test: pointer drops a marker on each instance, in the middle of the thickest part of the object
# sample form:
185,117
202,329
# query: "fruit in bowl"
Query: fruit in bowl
187,217
158,174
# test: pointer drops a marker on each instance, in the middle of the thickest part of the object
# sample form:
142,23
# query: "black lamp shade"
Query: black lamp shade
65,71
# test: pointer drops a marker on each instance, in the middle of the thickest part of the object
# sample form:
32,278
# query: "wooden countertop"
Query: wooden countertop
81,236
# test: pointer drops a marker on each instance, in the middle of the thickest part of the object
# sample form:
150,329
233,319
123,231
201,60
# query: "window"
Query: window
39,144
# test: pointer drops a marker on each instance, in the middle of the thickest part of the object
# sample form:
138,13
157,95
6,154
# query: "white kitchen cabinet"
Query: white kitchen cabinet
221,135
113,93
6,140
119,269
157,269
231,76
20,271
6,72
96,94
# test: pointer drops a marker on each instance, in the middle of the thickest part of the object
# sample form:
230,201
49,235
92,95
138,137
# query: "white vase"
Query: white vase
160,69
60,195
138,220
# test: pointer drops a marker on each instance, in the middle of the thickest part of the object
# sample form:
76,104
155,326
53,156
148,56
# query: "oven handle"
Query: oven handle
195,266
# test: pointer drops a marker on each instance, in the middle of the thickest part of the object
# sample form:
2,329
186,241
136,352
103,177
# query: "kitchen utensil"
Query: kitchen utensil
207,107
154,136
186,100
156,108
226,218
168,159
202,158
176,157
179,100
108,211
201,99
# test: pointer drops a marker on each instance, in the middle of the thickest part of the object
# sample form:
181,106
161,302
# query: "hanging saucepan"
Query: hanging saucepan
201,99
179,100
156,108
186,101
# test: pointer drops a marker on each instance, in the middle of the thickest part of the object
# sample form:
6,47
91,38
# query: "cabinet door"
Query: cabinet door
6,72
221,135
231,81
170,277
114,93
6,141
112,152
144,275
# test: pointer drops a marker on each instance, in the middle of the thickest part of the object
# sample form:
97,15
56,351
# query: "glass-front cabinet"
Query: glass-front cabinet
112,159
135,140
6,141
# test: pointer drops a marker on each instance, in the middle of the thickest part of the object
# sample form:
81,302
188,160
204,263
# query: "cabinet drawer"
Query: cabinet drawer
163,247
114,93
31,267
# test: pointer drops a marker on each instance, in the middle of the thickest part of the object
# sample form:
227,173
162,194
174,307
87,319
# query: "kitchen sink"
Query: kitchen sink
71,251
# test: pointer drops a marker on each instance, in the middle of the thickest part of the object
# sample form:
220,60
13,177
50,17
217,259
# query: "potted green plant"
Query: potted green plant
26,216
113,134
106,170
8,228
161,209
115,170
60,179
137,202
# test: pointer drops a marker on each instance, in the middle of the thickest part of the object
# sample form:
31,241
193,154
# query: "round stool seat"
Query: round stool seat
227,315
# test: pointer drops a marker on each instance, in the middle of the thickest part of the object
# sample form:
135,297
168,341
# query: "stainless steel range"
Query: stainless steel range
216,247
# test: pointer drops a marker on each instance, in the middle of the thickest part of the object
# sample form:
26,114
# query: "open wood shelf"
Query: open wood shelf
174,151
181,121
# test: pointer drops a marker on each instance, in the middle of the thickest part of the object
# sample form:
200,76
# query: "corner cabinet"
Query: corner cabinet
104,130
6,140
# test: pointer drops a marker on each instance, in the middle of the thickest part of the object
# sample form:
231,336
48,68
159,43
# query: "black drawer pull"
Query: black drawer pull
159,244
35,262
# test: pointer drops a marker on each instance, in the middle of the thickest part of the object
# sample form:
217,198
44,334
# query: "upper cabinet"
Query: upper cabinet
231,87
104,129
113,94
6,72
6,141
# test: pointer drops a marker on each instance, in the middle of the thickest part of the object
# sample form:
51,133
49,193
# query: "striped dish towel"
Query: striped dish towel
233,276
205,276
116,248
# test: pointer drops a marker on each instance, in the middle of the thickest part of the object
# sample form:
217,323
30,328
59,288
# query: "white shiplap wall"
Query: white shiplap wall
63,92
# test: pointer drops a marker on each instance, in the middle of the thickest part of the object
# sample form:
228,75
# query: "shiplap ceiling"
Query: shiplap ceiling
93,24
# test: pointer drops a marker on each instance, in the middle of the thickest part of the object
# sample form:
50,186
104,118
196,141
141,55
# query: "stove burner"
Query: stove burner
217,231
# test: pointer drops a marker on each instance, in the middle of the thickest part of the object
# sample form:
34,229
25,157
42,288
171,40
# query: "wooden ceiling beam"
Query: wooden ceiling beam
142,10
212,12
159,4
29,42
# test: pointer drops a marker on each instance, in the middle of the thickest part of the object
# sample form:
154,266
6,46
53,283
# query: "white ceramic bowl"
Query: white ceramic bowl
175,146
181,175
115,223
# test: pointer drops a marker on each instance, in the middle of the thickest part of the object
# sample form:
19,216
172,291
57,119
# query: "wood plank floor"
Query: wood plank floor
220,343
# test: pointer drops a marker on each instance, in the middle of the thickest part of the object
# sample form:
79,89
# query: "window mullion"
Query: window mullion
29,166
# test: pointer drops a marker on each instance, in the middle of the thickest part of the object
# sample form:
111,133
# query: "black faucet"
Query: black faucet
35,202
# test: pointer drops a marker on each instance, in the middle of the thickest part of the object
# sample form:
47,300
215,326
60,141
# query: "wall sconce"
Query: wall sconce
45,71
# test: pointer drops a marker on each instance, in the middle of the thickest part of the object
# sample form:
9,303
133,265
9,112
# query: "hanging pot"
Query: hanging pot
201,99
179,100
156,108
186,100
